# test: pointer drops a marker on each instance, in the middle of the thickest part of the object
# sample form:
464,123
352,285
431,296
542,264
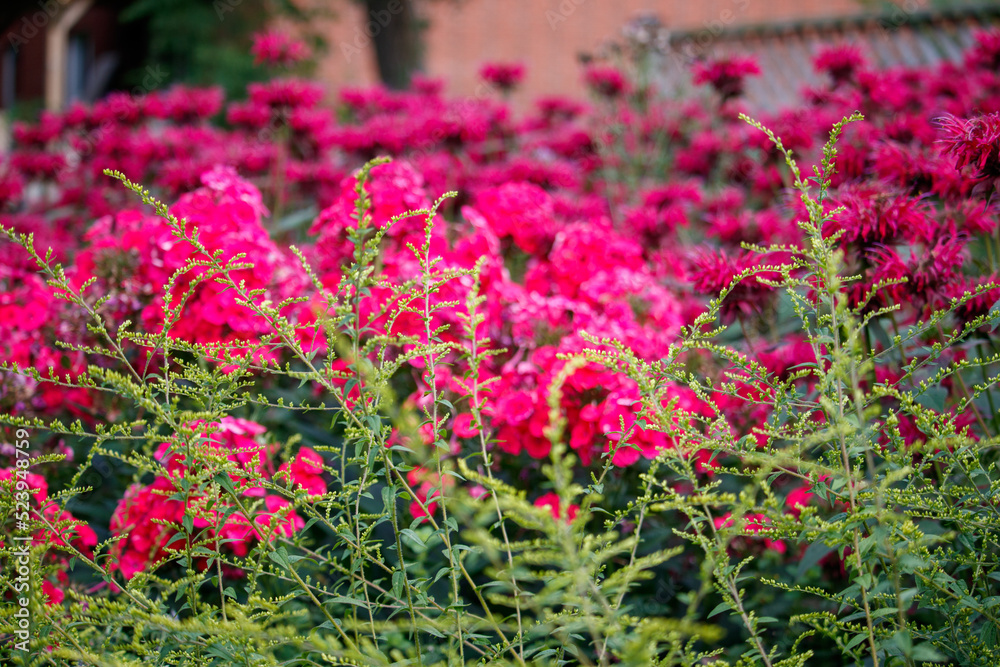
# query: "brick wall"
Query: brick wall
546,35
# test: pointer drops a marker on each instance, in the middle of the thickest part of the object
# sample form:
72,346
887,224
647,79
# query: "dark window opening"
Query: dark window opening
8,77
79,65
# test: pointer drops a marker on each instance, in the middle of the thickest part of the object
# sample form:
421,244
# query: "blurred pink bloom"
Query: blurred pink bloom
726,74
274,47
841,62
505,76
606,80
551,501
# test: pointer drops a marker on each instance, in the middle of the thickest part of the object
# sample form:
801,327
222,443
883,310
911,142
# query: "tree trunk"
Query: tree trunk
396,37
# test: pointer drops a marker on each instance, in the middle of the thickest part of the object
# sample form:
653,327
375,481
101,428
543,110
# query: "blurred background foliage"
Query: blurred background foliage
206,42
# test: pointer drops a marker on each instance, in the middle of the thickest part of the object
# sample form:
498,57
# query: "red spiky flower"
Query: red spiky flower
974,141
714,271
505,76
727,75
841,62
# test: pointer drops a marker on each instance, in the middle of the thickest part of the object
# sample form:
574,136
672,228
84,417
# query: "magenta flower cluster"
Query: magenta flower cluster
620,220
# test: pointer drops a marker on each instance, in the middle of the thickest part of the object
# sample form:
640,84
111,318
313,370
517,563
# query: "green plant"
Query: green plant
482,575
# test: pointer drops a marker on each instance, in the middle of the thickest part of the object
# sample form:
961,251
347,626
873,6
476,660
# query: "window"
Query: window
79,62
8,78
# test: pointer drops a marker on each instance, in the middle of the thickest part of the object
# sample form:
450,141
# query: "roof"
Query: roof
785,50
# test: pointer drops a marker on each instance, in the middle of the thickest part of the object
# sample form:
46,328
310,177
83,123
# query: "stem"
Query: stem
474,362
631,562
966,392
431,360
402,562
989,394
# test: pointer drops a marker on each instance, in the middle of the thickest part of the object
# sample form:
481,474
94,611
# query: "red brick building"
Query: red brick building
547,35
56,51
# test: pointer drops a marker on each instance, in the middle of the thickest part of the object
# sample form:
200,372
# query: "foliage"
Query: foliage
202,42
574,411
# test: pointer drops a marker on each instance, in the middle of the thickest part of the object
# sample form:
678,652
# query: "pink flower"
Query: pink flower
557,108
187,105
797,499
726,74
242,532
509,440
706,461
425,85
79,533
522,211
277,48
713,272
974,141
463,426
515,407
606,81
985,54
53,595
48,128
37,487
146,519
276,505
841,62
977,306
505,76
875,217
551,500
306,471
236,438
286,93
427,485
753,525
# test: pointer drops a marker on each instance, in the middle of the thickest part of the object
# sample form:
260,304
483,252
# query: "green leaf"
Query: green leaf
340,599
218,651
719,608
388,498
927,652
988,634
816,552
412,535
223,480
294,220
875,326
933,398
995,316
398,583
280,556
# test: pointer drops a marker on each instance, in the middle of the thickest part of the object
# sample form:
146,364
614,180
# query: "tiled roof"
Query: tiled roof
785,51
